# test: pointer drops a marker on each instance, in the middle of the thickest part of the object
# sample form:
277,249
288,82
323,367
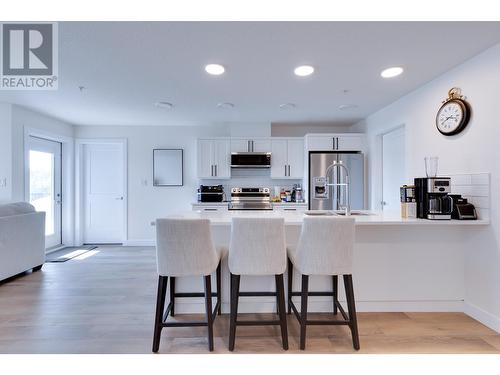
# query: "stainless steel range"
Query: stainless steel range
250,199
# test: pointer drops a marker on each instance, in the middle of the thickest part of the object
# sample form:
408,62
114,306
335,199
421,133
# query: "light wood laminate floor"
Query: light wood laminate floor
105,304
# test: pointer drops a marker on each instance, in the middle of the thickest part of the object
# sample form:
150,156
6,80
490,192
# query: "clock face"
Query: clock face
451,117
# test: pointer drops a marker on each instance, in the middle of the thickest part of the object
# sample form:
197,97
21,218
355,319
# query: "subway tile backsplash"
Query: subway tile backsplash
476,188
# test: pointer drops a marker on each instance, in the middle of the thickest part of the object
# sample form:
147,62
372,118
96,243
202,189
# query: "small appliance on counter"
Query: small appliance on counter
214,193
462,209
250,199
433,201
297,194
408,201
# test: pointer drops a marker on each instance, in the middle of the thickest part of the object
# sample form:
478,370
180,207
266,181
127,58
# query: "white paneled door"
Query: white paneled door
43,185
393,168
104,193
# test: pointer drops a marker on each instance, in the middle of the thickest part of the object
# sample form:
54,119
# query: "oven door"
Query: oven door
251,160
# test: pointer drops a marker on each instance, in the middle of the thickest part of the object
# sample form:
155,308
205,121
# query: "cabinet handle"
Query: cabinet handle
252,145
212,170
289,170
248,146
289,209
215,170
337,143
333,143
210,209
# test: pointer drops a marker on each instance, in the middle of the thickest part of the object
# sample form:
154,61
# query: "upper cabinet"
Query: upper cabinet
287,158
335,142
214,158
250,145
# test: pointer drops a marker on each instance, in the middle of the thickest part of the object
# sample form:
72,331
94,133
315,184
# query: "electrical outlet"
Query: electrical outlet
3,182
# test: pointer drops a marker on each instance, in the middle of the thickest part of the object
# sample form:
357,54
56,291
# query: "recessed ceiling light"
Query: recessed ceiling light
345,107
288,106
304,70
391,72
164,105
214,69
225,105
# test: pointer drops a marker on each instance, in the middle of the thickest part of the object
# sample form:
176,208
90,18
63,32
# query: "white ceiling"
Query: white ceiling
126,67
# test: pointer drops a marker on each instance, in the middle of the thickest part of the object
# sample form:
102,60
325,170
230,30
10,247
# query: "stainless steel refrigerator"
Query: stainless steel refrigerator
334,196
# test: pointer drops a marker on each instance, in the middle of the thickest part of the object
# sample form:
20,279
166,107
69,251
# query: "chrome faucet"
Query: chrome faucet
339,165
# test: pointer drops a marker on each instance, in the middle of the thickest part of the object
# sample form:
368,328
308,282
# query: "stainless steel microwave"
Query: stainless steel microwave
251,160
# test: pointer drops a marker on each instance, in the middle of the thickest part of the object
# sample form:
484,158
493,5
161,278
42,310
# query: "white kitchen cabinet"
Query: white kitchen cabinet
335,142
210,208
287,158
250,145
279,158
295,158
294,207
213,159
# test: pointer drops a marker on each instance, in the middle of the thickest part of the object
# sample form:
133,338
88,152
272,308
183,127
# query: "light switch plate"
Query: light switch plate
3,182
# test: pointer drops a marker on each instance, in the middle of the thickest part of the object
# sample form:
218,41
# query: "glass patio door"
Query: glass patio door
44,185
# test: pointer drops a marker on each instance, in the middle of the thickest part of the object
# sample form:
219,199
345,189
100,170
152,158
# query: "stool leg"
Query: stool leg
219,289
160,307
335,284
290,283
208,305
280,292
303,311
353,325
172,295
235,288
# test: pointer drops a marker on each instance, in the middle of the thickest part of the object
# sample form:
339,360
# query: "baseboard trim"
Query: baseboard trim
139,243
488,319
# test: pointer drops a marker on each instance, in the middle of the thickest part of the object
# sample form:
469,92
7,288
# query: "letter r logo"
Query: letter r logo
27,49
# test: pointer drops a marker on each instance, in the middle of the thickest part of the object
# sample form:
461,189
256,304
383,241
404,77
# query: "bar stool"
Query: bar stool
325,248
184,247
257,247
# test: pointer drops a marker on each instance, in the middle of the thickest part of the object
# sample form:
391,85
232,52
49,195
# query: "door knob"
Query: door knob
119,199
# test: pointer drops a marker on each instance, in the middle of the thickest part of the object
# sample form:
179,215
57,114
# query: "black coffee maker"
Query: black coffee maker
433,201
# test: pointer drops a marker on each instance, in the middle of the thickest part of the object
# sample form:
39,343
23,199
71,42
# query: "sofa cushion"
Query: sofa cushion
17,208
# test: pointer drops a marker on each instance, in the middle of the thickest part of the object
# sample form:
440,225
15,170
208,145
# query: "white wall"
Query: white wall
146,203
475,150
5,152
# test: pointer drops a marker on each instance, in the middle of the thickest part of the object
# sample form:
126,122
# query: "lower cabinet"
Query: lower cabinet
206,207
294,207
285,207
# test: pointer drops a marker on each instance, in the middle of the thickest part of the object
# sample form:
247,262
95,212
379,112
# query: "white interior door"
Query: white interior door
104,199
393,168
43,185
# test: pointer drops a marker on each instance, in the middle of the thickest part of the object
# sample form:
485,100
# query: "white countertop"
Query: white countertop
296,218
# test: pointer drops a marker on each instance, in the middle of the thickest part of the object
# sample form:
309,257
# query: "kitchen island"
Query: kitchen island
399,264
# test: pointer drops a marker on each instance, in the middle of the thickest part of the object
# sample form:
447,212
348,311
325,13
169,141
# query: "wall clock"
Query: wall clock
454,114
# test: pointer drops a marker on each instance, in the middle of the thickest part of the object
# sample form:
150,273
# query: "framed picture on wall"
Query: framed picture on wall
168,167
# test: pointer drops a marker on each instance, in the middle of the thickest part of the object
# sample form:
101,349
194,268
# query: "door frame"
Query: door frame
67,181
380,146
79,180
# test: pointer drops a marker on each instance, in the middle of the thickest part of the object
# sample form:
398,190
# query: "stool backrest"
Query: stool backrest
325,246
257,246
184,247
